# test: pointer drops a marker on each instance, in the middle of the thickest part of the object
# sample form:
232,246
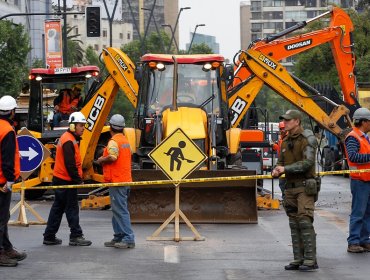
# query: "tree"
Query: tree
38,63
199,49
154,43
74,50
361,39
306,63
14,48
91,58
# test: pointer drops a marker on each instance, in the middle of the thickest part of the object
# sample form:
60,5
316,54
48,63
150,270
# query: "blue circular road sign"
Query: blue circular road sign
31,151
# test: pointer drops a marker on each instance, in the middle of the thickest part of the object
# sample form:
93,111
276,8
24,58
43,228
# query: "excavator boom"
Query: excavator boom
122,72
272,73
338,34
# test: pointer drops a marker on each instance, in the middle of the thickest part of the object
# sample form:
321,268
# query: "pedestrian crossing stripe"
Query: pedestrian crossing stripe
177,156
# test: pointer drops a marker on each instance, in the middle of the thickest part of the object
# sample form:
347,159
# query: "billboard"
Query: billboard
53,43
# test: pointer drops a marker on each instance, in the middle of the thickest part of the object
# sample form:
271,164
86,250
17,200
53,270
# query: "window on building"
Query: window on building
347,3
293,2
273,3
272,15
74,16
105,33
311,14
257,27
76,30
121,36
273,25
289,59
256,6
96,47
310,3
255,36
268,3
128,36
295,15
256,15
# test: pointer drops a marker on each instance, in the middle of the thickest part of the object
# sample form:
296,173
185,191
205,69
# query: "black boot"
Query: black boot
304,267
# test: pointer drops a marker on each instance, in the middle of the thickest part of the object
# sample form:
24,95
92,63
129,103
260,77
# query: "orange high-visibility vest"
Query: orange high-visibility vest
67,103
119,170
60,169
364,149
5,129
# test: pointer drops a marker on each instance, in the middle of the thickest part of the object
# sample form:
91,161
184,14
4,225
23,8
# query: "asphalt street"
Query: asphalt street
230,251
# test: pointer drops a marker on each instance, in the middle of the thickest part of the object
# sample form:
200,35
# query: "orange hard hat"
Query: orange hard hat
281,125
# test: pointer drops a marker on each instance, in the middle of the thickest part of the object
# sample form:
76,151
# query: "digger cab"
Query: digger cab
44,86
182,93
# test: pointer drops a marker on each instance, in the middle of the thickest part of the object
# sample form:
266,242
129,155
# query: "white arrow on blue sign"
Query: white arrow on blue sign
32,152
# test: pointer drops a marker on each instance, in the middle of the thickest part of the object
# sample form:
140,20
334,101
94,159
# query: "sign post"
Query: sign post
32,153
177,156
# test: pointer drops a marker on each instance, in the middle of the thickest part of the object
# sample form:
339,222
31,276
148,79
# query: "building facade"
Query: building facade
261,18
33,23
270,17
121,32
209,40
137,12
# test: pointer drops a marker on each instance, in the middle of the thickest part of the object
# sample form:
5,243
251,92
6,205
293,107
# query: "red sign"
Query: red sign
53,43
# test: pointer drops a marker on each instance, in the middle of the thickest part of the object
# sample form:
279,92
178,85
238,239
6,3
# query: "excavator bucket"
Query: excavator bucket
204,202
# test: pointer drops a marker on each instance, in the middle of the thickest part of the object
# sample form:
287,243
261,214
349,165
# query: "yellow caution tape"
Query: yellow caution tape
183,181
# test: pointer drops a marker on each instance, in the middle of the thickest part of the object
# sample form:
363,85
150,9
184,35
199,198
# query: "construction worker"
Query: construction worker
357,145
116,162
67,102
297,162
67,171
9,172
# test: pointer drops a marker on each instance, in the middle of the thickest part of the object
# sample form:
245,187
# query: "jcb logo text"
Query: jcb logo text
95,111
237,108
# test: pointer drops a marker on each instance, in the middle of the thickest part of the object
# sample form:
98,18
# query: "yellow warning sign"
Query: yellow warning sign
177,155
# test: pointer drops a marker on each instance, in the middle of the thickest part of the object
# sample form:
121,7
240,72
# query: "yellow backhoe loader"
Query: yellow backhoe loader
167,92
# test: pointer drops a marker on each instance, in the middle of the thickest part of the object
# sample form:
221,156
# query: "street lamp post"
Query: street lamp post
174,29
192,38
174,39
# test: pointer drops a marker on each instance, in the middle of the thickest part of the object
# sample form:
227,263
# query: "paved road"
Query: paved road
229,252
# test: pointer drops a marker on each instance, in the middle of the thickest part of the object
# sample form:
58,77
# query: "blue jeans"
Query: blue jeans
359,222
121,221
58,117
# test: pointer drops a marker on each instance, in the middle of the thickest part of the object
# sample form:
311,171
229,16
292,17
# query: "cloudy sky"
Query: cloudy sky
221,18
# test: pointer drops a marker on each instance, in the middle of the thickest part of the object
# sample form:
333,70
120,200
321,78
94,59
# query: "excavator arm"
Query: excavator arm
122,71
270,72
338,34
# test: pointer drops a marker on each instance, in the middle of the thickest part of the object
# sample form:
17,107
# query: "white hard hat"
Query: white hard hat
7,103
361,114
117,121
77,117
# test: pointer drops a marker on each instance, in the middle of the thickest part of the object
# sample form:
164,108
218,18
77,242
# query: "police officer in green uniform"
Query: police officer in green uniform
297,162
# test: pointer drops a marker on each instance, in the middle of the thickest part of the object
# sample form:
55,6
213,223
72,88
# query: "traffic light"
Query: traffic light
93,21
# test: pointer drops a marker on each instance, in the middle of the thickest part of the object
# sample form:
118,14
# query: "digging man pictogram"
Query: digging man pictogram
177,156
